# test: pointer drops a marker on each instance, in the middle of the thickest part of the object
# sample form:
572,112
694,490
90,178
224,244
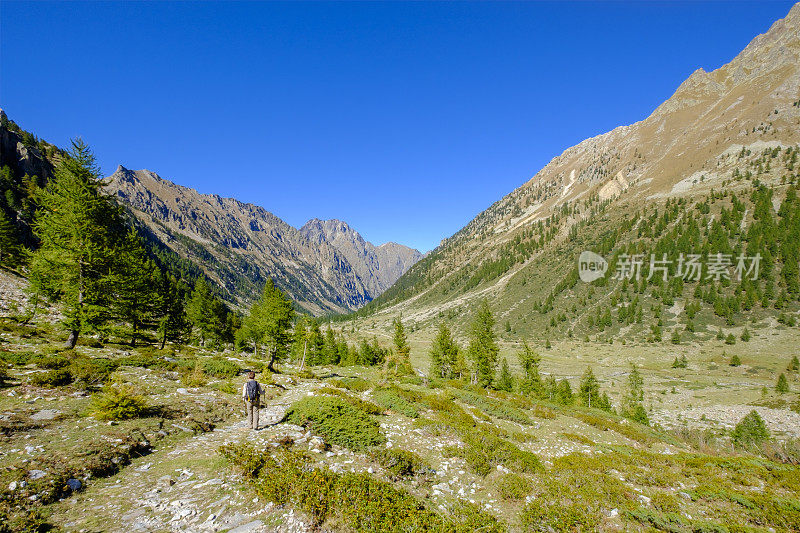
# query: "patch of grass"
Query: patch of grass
544,412
337,421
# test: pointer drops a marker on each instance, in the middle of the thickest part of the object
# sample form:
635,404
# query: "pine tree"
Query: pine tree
735,361
505,382
200,310
330,349
444,353
531,381
483,349
78,227
399,362
269,322
632,401
564,392
589,391
135,298
782,386
794,364
746,335
170,309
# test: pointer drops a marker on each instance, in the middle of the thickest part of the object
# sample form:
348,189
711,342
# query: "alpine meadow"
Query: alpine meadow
611,346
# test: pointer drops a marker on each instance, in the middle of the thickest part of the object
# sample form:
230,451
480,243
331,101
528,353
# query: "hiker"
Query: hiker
251,393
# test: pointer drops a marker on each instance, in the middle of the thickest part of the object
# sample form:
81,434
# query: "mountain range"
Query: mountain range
325,266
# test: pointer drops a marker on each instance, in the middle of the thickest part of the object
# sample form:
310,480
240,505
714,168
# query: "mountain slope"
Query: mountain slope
521,252
239,245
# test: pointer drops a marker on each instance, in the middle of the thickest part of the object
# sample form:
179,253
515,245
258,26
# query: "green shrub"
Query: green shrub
16,358
367,407
51,361
782,386
400,463
352,384
221,368
348,502
735,361
91,371
750,431
52,378
559,516
194,376
513,487
541,411
483,452
337,421
665,502
493,407
117,402
388,400
576,437
227,387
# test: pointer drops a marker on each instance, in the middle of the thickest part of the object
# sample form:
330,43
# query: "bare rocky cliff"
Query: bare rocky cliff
378,267
239,245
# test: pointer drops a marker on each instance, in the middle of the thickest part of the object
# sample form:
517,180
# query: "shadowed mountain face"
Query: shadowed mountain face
712,135
330,269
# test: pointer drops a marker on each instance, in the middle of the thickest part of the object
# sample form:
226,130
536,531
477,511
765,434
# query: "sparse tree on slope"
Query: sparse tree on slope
483,349
9,249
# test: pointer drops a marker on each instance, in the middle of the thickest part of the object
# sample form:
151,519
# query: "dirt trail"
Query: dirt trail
187,487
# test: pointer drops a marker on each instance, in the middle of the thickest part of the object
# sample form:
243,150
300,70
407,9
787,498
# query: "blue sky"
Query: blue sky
403,119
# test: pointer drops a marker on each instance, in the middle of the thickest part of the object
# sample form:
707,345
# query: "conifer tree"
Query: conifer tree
269,323
634,396
170,309
200,310
444,353
589,389
782,386
531,381
483,349
399,362
135,298
505,381
78,227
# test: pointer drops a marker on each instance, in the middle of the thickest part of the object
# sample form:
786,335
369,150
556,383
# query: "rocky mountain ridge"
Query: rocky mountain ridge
688,147
239,245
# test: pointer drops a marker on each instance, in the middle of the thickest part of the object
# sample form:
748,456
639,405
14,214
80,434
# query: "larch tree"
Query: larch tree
78,226
444,354
269,324
483,349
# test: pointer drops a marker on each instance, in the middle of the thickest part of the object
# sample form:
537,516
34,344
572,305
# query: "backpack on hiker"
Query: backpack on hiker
251,392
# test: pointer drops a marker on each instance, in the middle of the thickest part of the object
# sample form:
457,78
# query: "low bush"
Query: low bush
400,463
349,502
493,407
542,411
91,370
483,452
352,384
513,486
52,378
194,376
389,400
16,358
337,421
576,437
117,402
147,361
52,361
221,368
559,516
367,407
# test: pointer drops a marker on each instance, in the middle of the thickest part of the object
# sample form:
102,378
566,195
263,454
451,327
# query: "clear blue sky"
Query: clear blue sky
405,120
